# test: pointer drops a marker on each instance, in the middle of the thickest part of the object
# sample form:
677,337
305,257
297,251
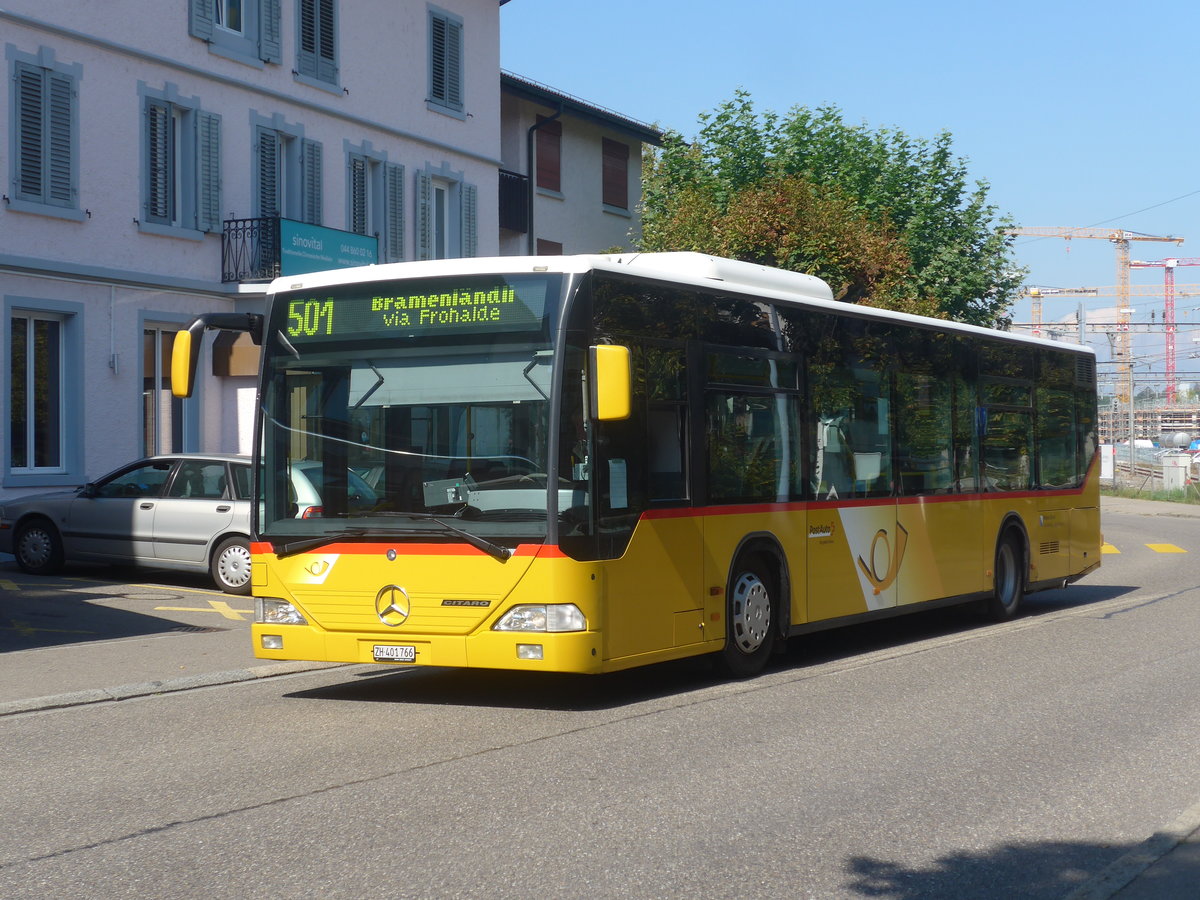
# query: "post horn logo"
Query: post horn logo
884,581
392,605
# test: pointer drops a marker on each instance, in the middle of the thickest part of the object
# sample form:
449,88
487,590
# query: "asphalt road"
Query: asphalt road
925,757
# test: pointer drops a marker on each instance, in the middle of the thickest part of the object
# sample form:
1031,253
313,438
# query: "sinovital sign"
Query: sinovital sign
312,248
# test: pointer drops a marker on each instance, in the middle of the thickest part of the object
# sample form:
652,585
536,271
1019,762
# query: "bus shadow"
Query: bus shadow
581,693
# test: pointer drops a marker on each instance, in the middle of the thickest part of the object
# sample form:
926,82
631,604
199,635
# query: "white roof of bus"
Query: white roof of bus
696,269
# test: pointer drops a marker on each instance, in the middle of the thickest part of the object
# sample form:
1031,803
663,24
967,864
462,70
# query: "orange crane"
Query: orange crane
1120,238
1168,266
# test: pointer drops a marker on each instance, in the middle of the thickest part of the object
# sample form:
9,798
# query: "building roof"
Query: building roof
548,96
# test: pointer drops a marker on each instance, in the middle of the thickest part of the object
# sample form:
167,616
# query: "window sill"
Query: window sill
314,82
172,231
44,209
616,211
552,194
35,479
434,106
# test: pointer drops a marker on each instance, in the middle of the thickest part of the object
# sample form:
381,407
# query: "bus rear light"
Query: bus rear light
548,617
270,611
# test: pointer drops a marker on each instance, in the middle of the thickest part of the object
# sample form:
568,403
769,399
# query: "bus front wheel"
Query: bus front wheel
749,619
1008,583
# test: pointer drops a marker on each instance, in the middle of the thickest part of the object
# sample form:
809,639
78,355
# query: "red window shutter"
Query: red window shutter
549,155
616,174
549,248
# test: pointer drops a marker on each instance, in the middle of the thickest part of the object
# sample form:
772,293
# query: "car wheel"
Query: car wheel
1008,583
749,619
38,548
231,566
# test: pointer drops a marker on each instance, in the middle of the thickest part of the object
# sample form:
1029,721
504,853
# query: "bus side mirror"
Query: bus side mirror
185,359
612,382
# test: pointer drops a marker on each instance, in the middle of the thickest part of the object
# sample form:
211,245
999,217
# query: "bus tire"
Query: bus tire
1008,582
38,548
230,566
750,613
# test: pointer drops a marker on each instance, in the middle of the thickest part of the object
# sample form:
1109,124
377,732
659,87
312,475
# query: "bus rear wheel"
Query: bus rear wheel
1008,583
749,619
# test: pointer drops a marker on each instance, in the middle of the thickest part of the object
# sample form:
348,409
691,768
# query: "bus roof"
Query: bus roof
685,268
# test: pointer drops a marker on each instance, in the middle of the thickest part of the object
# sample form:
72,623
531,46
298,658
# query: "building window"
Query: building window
549,154
446,216
45,136
162,412
244,30
182,165
445,61
316,57
616,174
549,248
35,398
376,201
289,175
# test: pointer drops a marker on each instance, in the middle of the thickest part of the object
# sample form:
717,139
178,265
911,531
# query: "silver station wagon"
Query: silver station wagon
188,512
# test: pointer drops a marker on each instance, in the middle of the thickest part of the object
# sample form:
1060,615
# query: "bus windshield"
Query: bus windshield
416,408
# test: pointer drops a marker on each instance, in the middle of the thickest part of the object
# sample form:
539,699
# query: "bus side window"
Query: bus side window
667,439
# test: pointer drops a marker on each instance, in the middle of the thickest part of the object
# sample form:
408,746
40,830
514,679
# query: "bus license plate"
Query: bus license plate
394,653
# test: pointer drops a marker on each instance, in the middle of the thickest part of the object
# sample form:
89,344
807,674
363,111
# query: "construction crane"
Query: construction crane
1120,238
1168,266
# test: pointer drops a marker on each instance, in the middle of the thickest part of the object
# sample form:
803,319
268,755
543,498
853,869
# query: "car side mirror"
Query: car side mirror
88,490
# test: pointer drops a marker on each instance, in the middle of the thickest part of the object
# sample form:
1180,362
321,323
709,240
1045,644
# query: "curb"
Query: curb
1119,874
149,688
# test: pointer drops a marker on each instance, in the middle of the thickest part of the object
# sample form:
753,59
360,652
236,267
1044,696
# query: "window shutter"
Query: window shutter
268,173
270,47
160,204
30,136
549,154
470,234
358,194
61,104
446,61
311,172
424,216
202,15
327,43
208,153
393,176
306,56
317,56
616,174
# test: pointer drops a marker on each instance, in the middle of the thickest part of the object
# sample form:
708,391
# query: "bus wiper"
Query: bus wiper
495,550
291,548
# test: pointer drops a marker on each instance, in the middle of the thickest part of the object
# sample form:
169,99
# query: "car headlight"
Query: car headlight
270,611
543,617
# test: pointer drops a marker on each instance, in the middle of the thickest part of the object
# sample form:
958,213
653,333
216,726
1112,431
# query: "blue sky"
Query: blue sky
1077,114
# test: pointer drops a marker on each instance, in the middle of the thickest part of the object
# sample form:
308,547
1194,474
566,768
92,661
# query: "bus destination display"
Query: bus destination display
497,305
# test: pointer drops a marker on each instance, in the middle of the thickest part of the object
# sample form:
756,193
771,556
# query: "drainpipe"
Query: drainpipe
530,241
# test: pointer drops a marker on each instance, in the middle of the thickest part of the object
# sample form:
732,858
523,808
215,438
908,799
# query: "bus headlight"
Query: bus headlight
548,617
270,611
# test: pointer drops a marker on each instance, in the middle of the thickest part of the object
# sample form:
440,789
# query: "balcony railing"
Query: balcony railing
250,250
514,201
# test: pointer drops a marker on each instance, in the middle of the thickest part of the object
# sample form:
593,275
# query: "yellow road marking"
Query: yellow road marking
1166,548
1108,548
8,585
219,606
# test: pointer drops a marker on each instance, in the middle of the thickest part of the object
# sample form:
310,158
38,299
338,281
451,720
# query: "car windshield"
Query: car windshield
402,434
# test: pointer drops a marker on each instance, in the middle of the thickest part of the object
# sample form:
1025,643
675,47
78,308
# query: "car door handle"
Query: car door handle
147,506
224,507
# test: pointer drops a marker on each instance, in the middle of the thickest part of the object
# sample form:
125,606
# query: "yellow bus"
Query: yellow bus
584,464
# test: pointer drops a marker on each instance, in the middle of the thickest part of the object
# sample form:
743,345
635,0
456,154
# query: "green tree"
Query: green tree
886,219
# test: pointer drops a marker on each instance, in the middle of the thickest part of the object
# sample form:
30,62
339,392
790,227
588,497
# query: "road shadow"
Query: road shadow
1049,869
55,611
551,691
